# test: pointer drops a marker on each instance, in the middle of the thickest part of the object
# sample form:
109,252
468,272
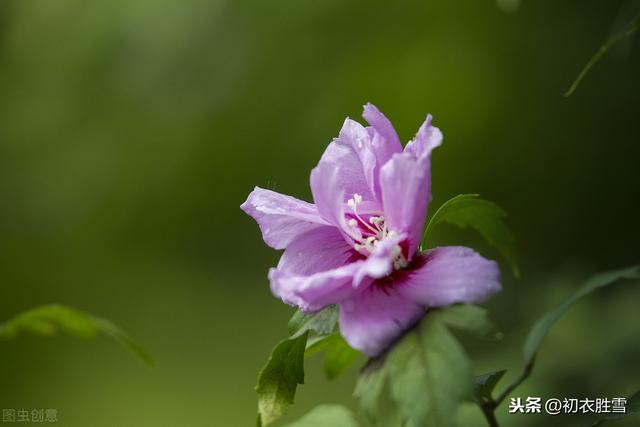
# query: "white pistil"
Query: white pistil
355,201
399,261
377,226
353,204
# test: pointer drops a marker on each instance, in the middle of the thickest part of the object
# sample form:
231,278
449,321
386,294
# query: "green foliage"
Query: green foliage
424,377
631,28
468,210
279,378
546,322
371,391
484,384
323,322
50,319
632,407
326,415
338,355
427,374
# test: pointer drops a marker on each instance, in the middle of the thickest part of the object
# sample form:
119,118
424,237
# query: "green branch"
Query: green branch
630,29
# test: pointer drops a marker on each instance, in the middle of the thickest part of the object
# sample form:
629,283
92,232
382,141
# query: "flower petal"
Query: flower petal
427,138
449,275
318,250
384,143
316,270
281,218
371,320
315,292
405,183
388,143
351,156
329,198
358,138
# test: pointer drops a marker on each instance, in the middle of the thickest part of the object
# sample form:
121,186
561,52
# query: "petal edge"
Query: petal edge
449,275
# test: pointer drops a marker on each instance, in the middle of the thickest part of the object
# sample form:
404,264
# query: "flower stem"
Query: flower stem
489,415
525,374
632,27
489,406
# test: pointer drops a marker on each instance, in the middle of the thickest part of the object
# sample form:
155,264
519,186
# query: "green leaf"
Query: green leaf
279,378
327,415
372,392
631,28
323,322
632,407
468,210
370,386
338,356
484,384
317,344
50,319
427,373
112,330
546,322
467,317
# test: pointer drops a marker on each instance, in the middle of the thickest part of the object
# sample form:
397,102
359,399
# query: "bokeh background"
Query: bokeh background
131,131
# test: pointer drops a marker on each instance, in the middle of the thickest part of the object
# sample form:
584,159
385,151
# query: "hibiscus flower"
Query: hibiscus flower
357,246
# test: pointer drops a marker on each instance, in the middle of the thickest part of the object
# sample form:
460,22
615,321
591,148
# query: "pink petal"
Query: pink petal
281,218
449,275
315,270
373,319
317,250
329,198
388,144
357,137
315,292
427,138
351,157
405,183
384,142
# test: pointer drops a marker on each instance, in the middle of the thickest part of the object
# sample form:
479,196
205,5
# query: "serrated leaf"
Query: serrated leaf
427,373
469,210
372,392
542,327
369,387
484,384
327,415
50,319
323,322
279,378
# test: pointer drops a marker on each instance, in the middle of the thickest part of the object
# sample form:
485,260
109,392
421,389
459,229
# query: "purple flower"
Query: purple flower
357,246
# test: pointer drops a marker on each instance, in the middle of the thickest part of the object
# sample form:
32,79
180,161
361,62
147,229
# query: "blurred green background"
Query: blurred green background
131,131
